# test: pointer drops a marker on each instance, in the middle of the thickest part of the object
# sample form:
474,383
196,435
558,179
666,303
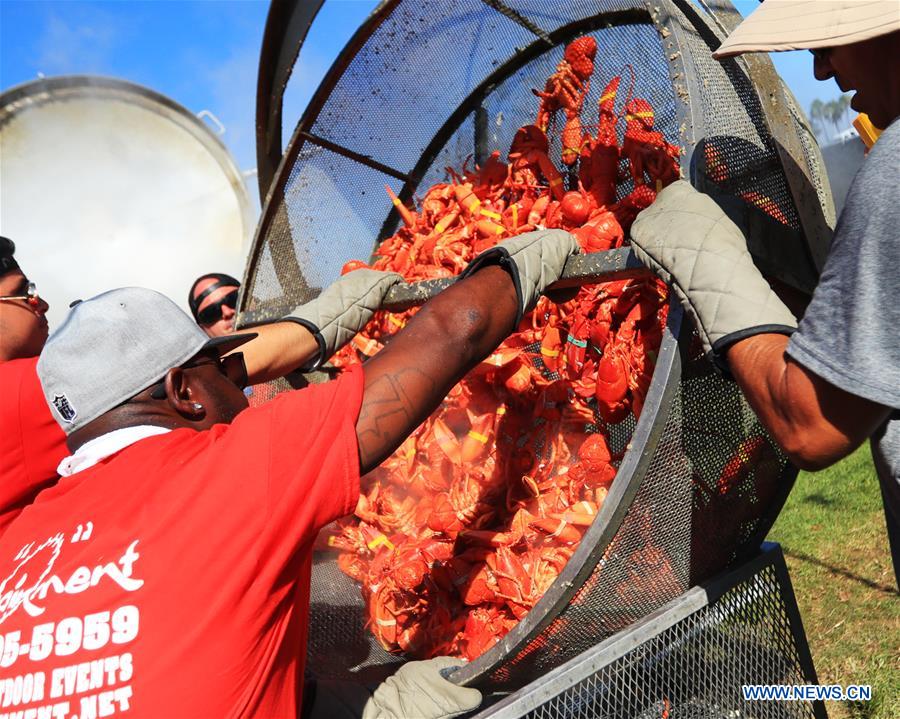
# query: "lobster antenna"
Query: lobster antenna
630,94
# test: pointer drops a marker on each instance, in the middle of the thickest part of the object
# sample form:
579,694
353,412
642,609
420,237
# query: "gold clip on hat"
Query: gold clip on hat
807,24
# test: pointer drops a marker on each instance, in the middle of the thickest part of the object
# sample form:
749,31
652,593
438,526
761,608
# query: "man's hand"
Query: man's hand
692,244
342,310
534,261
689,242
418,690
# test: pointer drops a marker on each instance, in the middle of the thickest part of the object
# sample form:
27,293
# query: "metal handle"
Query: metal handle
620,264
587,269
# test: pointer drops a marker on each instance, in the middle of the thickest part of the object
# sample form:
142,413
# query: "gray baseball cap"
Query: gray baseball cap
115,345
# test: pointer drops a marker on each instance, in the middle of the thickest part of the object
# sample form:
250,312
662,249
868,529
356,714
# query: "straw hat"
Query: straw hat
807,24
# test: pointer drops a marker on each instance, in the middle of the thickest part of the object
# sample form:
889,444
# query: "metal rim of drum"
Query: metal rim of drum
666,378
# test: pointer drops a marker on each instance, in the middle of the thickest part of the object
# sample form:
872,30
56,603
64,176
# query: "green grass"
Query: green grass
833,535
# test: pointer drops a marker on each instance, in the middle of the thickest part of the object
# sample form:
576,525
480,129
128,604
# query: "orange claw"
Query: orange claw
407,215
558,528
551,348
478,438
447,440
353,265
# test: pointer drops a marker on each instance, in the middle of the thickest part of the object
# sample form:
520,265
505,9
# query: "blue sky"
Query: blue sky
204,53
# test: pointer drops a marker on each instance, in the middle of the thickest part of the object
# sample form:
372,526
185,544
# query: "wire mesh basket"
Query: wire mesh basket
689,659
423,86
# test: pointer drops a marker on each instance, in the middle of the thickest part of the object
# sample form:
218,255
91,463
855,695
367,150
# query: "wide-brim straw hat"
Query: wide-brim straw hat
808,24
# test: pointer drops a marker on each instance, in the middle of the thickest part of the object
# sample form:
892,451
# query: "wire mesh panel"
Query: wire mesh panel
681,525
689,660
426,86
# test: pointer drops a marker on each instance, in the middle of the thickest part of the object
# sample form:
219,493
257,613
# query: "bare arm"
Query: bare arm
407,380
815,422
280,348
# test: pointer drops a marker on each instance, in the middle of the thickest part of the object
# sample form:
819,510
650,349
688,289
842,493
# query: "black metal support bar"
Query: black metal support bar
482,151
620,264
796,624
579,270
286,28
519,19
346,152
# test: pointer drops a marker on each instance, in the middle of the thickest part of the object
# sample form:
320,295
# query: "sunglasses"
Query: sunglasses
820,53
31,296
213,313
232,366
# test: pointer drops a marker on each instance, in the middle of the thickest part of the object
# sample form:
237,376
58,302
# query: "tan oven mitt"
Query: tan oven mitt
343,309
419,690
692,245
534,260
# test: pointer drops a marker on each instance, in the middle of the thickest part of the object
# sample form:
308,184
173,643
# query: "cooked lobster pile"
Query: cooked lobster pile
460,532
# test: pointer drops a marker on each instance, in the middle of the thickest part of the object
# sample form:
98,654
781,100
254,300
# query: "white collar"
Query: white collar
99,448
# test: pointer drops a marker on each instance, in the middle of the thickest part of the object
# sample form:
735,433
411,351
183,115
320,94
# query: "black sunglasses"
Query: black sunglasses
232,366
213,313
820,53
30,296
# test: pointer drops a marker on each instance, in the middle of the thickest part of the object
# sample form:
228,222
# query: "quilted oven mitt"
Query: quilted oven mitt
534,260
343,309
691,244
418,689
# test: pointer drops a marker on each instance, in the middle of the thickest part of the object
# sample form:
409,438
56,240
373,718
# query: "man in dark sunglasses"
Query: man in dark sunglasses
176,550
213,299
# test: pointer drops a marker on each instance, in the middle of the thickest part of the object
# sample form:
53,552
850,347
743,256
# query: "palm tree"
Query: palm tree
817,115
844,102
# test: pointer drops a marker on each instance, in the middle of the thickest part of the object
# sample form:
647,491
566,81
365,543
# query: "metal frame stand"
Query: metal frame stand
689,658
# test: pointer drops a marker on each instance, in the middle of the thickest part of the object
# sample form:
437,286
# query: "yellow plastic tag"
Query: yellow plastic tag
868,133
378,541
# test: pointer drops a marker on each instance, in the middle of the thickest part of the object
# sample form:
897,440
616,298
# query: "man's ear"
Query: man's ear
178,393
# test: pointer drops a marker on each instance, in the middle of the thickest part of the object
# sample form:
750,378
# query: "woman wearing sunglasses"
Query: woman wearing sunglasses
23,313
31,443
213,299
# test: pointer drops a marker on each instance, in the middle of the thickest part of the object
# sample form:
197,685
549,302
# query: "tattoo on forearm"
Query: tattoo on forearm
393,405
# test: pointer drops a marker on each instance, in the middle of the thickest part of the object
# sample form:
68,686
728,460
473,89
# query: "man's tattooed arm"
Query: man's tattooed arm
409,378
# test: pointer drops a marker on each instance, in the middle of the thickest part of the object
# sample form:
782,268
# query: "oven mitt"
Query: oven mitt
691,244
418,690
534,261
342,309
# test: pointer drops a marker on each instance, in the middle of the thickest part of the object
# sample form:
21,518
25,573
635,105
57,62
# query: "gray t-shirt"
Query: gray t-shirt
850,334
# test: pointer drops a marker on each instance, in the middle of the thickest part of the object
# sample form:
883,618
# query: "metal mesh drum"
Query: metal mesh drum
424,85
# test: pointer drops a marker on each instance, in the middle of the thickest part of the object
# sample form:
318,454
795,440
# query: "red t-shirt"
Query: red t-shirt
32,444
172,578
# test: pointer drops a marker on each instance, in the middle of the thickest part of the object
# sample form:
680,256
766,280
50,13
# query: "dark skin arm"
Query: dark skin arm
814,422
409,378
281,347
